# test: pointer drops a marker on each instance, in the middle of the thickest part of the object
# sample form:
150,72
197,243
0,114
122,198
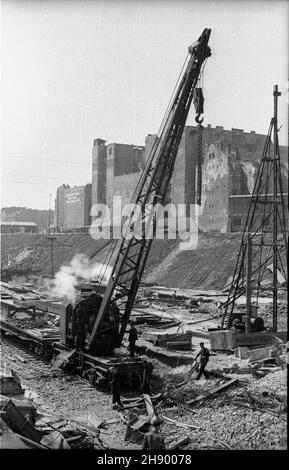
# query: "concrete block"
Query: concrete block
241,352
226,339
161,339
259,354
222,340
250,339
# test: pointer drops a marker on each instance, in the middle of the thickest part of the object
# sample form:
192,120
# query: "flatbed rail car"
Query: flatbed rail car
45,343
38,341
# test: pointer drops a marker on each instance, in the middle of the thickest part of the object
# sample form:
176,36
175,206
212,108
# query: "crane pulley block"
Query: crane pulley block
198,100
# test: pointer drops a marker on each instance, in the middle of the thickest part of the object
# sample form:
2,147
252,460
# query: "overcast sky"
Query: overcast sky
73,71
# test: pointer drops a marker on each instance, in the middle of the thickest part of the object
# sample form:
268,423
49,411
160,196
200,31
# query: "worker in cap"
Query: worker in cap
132,338
204,359
154,440
115,386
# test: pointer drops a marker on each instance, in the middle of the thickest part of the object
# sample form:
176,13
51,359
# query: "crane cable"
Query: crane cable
199,165
199,101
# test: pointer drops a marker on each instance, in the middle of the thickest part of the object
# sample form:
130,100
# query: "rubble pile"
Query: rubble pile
24,424
251,415
266,312
34,321
242,405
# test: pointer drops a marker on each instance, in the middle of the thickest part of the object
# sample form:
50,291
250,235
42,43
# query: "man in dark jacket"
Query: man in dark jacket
115,385
132,338
204,359
147,376
154,440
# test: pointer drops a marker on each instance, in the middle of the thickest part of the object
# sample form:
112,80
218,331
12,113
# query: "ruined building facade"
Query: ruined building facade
229,164
115,171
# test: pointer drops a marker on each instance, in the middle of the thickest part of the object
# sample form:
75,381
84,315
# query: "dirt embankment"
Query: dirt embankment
31,254
206,267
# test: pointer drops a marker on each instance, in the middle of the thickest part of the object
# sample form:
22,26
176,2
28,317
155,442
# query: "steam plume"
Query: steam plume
66,279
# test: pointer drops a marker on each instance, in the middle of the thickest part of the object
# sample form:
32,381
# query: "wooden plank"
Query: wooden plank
180,443
218,389
182,425
32,444
138,404
149,407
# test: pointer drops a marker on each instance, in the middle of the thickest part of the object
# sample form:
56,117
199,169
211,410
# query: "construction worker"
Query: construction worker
154,440
115,386
147,376
132,338
204,359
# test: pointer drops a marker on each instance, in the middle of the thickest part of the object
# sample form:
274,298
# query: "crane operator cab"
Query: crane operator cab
77,322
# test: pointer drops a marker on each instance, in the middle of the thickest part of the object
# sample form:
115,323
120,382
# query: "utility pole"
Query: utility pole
49,213
52,240
276,94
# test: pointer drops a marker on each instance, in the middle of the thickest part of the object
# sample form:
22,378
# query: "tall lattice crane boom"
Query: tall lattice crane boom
151,190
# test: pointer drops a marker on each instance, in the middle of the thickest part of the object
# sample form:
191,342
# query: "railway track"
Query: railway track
31,367
62,395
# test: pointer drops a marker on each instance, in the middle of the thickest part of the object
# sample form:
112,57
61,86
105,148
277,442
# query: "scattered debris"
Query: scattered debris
220,388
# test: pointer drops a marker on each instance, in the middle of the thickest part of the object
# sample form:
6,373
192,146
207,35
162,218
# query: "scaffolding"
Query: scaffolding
262,263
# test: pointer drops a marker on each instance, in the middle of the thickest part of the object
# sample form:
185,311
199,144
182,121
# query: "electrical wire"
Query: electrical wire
36,176
43,160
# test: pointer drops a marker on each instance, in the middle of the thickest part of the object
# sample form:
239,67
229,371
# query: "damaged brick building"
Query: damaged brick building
115,170
229,163
230,159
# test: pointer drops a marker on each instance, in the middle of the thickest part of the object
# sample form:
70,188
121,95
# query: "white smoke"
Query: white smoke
65,281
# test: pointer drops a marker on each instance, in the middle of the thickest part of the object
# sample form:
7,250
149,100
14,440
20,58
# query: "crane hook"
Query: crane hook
198,99
198,119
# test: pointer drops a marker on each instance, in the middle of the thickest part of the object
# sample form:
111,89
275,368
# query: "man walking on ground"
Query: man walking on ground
132,338
204,359
154,440
115,386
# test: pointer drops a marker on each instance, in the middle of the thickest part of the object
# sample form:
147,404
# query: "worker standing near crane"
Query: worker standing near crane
132,338
115,386
147,376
